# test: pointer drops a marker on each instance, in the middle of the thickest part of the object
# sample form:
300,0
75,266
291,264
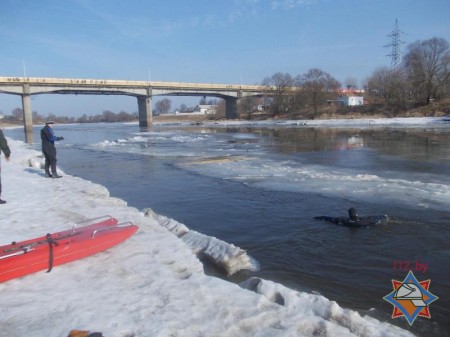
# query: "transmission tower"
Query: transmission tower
395,44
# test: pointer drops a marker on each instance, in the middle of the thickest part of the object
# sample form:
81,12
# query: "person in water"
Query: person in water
354,220
353,215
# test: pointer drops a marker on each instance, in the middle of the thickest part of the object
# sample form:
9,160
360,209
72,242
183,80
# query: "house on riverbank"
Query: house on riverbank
202,109
351,100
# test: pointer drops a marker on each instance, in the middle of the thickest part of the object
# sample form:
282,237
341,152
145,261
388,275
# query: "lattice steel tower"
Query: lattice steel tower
395,45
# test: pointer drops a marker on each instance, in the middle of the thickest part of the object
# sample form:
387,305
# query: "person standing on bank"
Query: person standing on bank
48,148
7,152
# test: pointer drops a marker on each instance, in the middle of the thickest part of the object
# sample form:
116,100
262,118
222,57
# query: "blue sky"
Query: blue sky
213,41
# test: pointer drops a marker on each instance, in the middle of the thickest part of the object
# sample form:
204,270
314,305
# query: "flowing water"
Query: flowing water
259,187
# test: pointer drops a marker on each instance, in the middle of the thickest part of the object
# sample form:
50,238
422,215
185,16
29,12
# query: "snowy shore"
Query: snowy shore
343,122
151,285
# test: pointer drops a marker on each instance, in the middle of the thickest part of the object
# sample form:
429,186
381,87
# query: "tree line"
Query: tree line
422,77
162,106
105,117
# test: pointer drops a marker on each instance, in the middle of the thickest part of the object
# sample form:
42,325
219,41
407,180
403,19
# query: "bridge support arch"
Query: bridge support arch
145,111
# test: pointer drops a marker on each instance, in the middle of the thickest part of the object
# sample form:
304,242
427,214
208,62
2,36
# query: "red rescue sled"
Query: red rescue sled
87,238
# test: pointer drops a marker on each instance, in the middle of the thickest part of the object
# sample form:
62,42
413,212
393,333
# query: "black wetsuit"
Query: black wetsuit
360,222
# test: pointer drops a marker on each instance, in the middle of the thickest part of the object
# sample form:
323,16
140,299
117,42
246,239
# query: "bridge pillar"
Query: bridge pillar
26,107
145,111
230,107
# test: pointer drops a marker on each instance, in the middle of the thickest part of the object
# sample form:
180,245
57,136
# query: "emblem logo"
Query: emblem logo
411,298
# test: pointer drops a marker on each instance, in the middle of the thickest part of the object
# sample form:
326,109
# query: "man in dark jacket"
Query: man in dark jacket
48,148
7,152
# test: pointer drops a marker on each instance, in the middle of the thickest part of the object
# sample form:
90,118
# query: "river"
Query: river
260,185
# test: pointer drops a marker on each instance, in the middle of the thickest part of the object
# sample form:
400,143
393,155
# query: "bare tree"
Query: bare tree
17,113
318,84
183,107
220,109
390,85
351,83
427,64
247,105
124,116
163,106
279,84
108,116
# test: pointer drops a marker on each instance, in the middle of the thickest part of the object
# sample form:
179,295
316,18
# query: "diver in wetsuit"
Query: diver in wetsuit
354,220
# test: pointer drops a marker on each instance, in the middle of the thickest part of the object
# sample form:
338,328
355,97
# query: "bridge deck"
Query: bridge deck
43,81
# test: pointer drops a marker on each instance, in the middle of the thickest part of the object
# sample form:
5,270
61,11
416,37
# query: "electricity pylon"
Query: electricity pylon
395,44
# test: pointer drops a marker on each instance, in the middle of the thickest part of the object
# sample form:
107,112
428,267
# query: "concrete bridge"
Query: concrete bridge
142,90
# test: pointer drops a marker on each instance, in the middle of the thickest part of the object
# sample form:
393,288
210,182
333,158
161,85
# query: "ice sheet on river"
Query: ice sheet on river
240,157
293,176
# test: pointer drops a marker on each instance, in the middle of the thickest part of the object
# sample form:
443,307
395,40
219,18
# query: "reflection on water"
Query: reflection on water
424,144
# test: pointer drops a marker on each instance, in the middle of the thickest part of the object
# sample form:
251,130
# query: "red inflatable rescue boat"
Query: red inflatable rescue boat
87,238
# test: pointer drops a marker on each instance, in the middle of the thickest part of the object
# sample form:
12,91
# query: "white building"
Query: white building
199,110
206,109
351,100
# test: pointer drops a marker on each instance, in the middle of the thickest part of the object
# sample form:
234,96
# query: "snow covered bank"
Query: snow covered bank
223,255
342,122
150,285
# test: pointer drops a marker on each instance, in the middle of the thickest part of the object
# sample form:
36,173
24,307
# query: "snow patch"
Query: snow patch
224,255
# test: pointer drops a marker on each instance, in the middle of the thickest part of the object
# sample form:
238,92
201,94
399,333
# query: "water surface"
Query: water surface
260,188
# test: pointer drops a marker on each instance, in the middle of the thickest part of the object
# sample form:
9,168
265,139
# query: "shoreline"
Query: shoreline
425,121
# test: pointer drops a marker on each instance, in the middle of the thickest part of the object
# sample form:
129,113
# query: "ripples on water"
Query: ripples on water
260,188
